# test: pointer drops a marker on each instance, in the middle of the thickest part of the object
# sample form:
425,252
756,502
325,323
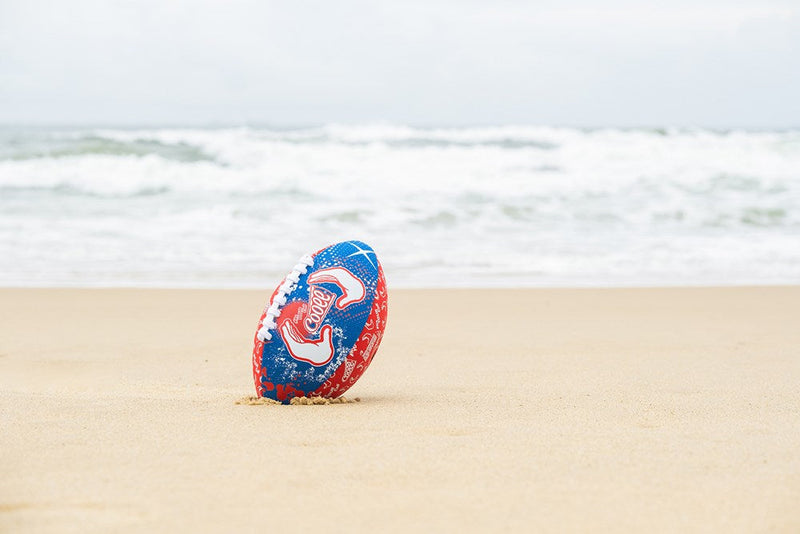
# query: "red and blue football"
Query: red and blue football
322,325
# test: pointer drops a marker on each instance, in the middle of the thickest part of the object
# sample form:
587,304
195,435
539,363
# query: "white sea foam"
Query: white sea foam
509,205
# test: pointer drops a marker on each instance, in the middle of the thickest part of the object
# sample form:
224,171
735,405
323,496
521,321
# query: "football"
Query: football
322,324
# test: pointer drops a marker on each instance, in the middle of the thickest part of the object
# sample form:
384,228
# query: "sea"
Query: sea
499,206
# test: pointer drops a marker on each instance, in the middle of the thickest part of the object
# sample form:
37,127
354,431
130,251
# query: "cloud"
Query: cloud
710,63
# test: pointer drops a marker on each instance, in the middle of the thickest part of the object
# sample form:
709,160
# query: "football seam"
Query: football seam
279,300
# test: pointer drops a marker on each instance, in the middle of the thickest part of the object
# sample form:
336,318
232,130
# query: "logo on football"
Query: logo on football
323,324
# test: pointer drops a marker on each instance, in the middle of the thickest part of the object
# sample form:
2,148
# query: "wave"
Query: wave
191,145
446,206
66,190
27,146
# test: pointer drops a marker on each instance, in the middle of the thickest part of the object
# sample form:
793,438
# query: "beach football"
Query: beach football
322,324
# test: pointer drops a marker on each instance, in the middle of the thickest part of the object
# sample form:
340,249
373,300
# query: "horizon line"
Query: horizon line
300,125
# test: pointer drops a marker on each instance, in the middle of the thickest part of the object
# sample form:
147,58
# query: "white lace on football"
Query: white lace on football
286,287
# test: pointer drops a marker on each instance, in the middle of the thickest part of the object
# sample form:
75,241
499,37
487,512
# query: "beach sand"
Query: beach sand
560,410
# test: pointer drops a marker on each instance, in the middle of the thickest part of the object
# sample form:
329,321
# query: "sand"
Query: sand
655,410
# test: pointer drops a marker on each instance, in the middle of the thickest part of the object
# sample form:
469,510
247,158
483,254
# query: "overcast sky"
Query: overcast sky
615,63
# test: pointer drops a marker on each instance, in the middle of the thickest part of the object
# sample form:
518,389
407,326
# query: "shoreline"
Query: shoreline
613,409
403,288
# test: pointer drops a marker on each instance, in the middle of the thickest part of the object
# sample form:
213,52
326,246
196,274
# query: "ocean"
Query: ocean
505,206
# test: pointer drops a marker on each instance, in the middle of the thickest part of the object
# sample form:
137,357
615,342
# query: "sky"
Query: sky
720,64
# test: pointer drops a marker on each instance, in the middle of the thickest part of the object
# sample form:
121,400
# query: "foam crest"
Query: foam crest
508,205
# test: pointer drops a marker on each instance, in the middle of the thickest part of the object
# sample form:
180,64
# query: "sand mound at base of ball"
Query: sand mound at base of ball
251,400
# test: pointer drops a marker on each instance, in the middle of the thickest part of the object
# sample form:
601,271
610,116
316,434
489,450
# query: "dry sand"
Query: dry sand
665,410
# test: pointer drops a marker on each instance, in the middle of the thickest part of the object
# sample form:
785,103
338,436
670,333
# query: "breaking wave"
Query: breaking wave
510,205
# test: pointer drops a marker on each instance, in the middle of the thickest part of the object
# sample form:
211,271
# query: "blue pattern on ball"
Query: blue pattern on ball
346,324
